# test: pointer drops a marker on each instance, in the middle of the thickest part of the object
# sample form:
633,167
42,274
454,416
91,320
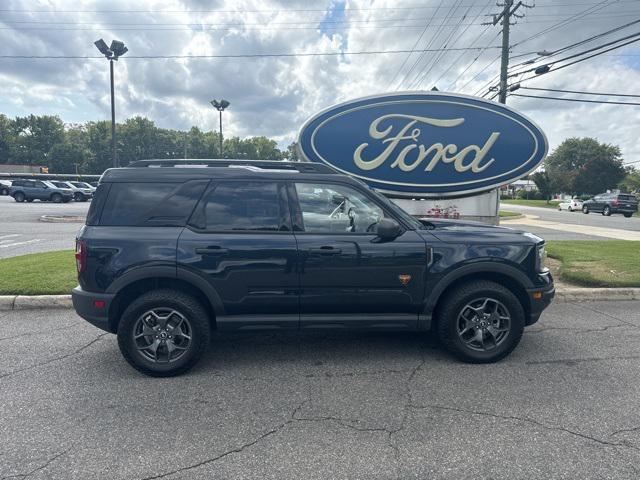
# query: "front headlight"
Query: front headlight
541,258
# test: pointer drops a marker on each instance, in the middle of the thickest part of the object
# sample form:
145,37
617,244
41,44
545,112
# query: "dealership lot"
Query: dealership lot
21,232
325,405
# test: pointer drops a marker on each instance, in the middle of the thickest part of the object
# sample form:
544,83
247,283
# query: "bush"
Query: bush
532,195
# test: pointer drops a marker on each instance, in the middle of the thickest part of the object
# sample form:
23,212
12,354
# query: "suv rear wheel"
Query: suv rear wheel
163,333
56,198
628,214
606,211
481,322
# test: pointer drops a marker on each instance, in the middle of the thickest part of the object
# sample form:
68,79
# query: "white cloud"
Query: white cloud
273,96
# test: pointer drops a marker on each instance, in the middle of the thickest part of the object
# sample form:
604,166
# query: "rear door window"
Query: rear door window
246,206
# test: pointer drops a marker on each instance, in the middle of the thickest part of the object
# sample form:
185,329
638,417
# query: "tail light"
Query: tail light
81,256
615,202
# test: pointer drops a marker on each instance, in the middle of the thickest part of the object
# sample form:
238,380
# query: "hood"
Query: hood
467,231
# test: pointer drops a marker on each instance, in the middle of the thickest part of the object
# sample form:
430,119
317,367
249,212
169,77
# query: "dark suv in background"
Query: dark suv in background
31,190
246,246
608,203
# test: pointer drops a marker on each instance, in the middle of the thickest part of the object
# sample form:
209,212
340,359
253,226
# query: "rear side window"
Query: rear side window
627,198
150,204
248,206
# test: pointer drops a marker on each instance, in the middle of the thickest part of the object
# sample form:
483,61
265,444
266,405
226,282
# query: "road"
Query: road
326,405
552,224
21,232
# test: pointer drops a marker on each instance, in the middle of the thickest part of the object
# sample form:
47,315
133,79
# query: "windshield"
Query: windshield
399,211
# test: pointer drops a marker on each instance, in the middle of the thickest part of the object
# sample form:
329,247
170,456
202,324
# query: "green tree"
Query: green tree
543,183
585,166
63,158
631,183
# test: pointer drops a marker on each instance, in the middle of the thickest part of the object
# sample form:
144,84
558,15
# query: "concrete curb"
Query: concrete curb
563,294
62,219
34,302
569,294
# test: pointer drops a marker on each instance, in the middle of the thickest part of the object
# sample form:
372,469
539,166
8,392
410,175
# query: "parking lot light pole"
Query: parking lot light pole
111,53
220,106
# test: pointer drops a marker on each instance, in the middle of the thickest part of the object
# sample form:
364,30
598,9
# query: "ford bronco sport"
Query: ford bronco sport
174,249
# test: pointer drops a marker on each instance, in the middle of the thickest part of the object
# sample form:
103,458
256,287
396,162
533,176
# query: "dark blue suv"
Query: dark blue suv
174,249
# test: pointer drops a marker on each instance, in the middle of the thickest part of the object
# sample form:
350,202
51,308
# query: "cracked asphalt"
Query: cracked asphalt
565,404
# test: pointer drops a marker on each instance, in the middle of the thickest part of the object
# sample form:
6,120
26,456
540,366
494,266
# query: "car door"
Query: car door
240,240
597,204
40,190
348,276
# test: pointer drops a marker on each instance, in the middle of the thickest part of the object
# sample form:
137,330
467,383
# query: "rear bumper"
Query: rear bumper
539,299
85,306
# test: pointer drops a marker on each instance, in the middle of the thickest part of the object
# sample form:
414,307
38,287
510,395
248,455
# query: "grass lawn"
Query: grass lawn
598,263
532,203
47,273
507,214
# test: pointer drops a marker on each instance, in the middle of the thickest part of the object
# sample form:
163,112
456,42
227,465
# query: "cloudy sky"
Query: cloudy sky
273,96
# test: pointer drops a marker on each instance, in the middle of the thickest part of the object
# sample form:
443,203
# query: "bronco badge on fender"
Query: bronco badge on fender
425,143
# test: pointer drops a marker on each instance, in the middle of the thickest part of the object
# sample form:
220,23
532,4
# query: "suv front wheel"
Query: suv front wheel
163,333
481,322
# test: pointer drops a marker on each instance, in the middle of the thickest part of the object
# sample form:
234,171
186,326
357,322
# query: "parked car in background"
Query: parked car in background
31,190
4,187
81,190
609,203
571,205
94,184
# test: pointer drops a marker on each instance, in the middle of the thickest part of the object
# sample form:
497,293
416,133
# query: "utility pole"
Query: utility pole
504,18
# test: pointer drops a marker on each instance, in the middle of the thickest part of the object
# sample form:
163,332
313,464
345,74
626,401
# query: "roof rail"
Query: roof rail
303,167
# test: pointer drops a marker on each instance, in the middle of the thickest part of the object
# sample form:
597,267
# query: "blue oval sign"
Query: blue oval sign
425,144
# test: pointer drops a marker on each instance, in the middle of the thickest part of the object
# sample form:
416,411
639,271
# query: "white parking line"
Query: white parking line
8,236
35,240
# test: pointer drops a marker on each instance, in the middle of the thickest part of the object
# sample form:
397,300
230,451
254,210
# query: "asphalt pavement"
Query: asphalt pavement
21,232
325,405
572,225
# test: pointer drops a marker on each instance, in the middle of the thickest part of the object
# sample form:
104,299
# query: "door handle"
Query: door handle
211,250
327,250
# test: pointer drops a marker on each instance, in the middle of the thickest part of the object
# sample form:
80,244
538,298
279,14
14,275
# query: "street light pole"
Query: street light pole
220,111
220,106
113,118
112,53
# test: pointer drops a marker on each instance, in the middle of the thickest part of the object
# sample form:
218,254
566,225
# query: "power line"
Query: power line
477,39
577,16
574,99
429,43
408,7
555,69
581,42
579,54
244,55
413,48
581,92
422,74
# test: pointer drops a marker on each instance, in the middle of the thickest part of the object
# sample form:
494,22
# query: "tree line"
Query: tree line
584,166
46,140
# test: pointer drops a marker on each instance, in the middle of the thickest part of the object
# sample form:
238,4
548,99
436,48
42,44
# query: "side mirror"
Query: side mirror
388,229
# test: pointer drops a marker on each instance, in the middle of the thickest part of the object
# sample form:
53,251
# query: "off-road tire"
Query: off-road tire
187,306
454,303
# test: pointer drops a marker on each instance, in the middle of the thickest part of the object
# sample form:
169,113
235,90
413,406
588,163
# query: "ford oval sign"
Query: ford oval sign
425,144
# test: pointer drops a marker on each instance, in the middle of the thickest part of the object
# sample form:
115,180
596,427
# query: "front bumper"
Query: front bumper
87,305
539,299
